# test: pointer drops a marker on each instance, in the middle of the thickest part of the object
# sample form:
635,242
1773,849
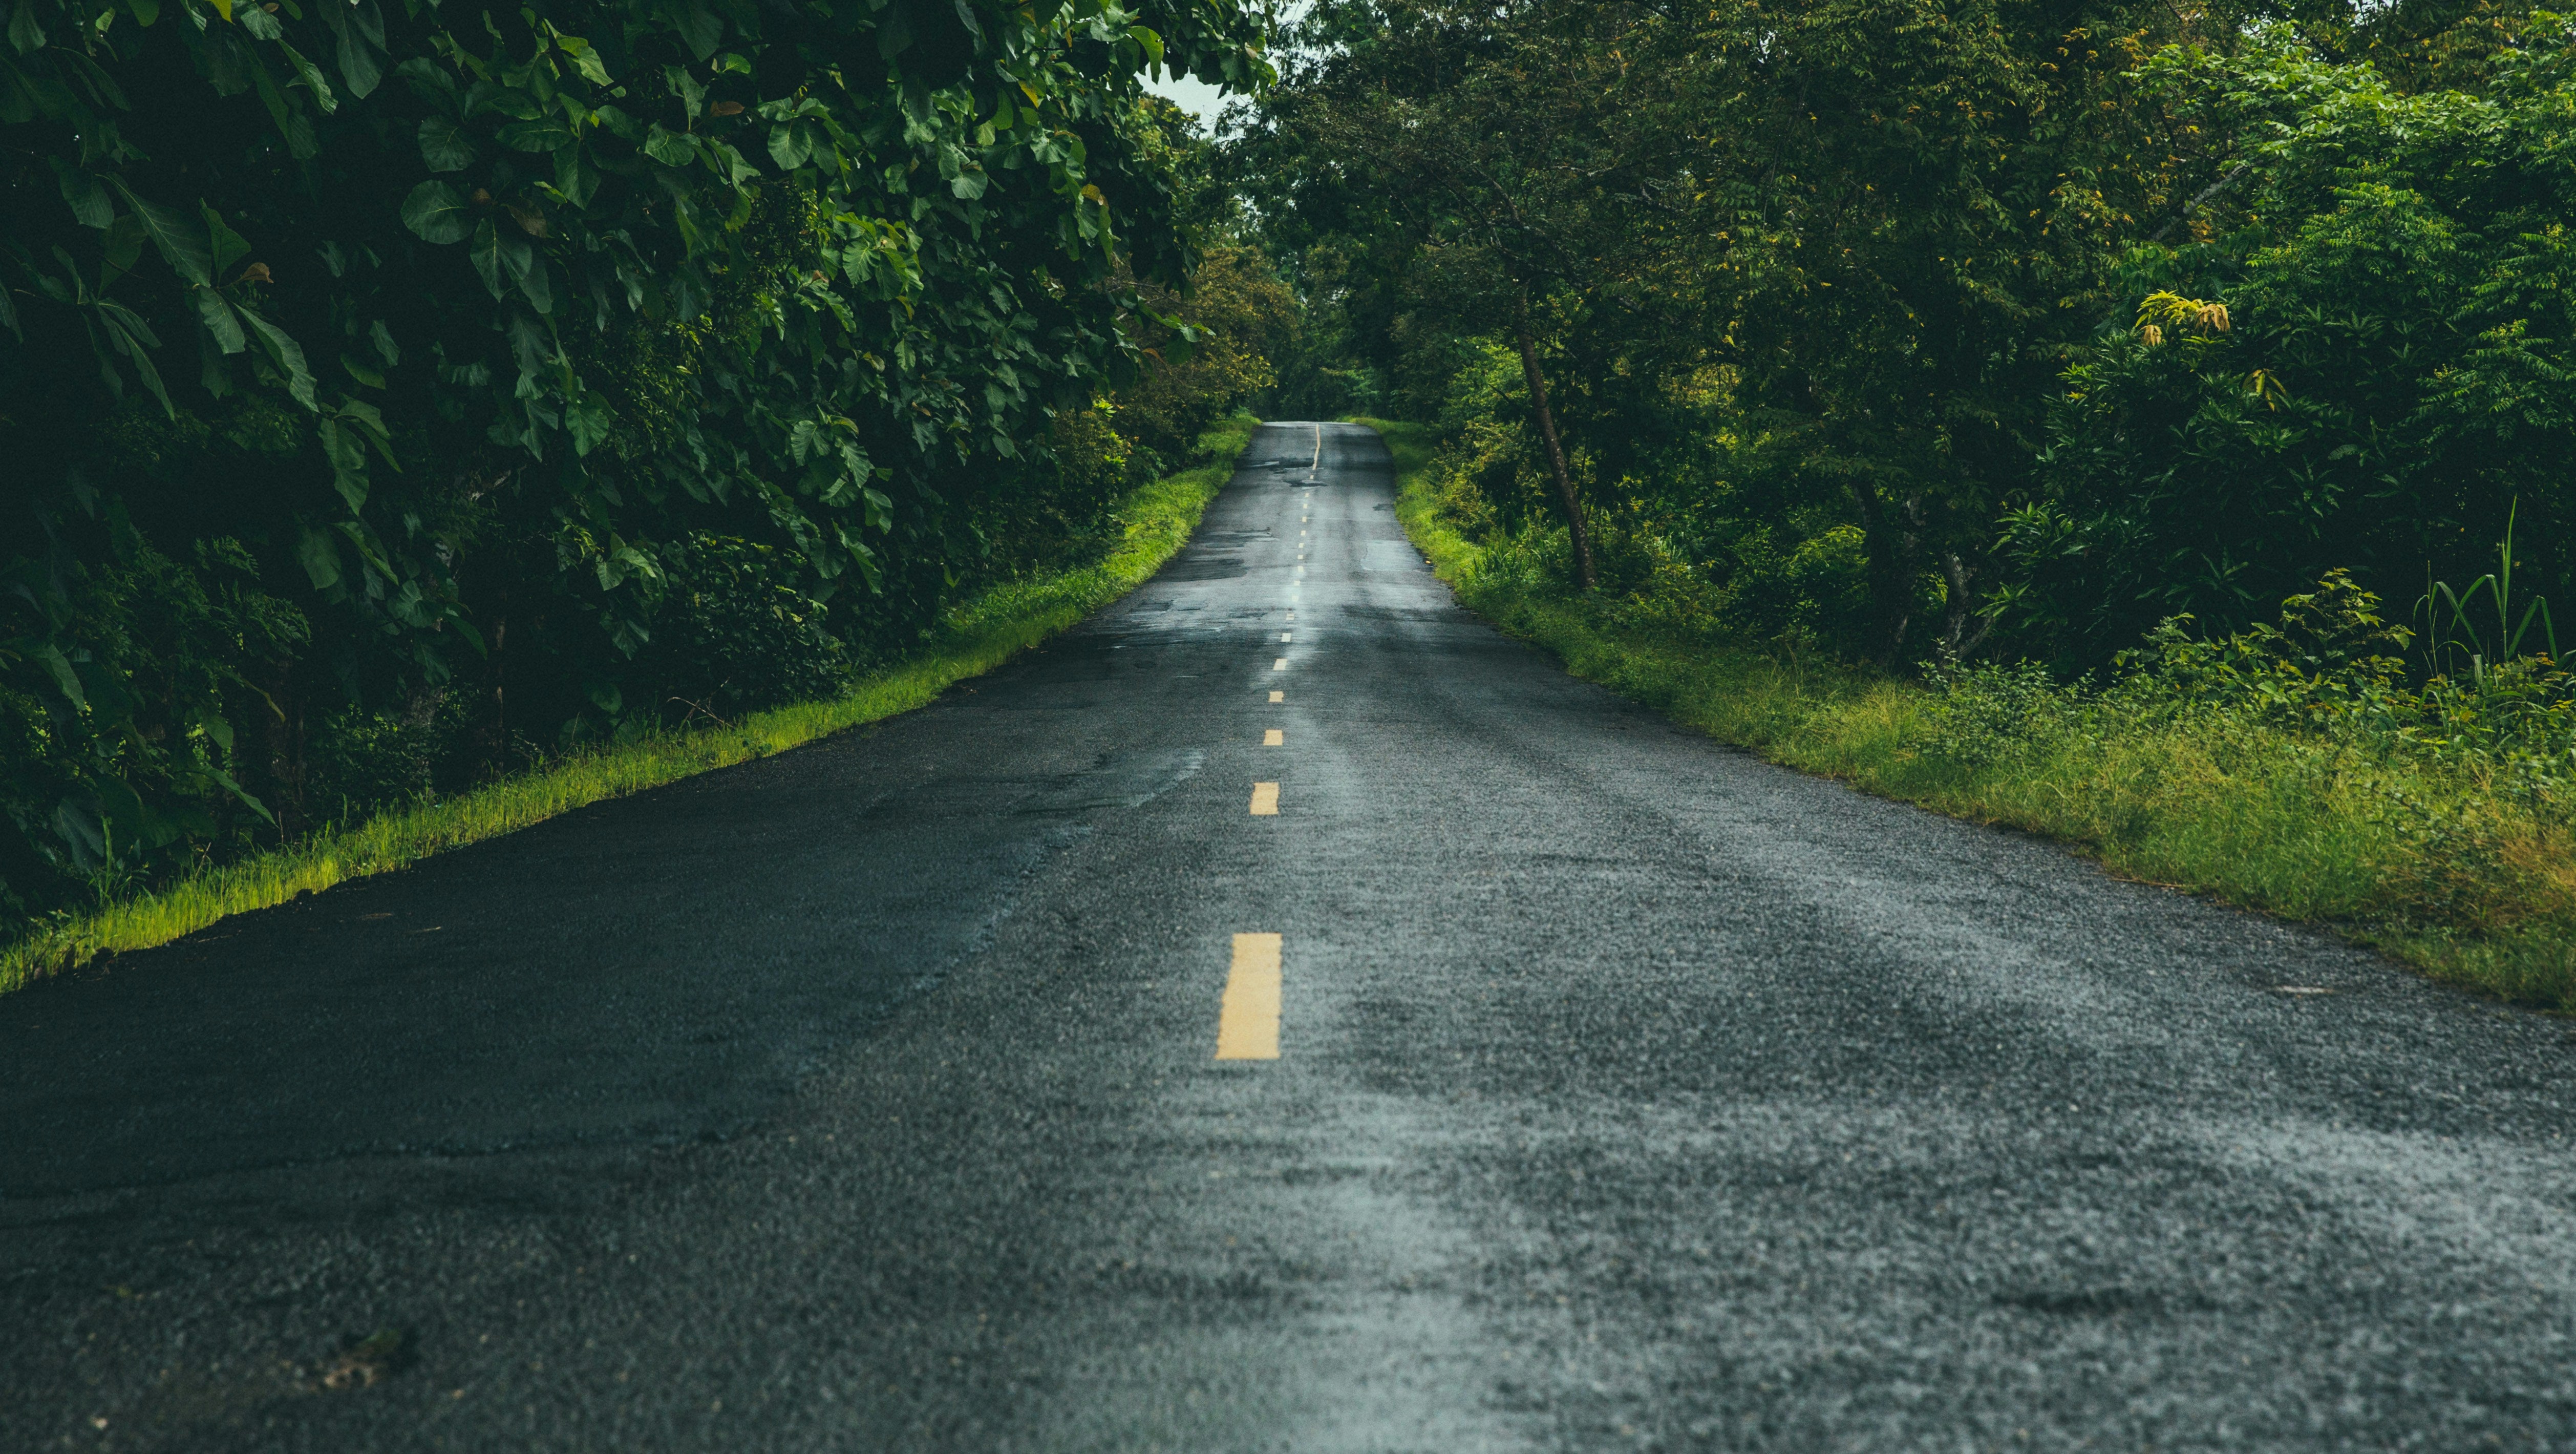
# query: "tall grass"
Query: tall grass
978,635
2433,860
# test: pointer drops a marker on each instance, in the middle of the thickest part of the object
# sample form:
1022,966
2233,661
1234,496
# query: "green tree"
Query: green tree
459,335
1883,229
2363,360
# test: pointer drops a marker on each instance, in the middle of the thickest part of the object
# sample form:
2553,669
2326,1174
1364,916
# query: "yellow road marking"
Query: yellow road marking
1280,665
1283,635
1265,800
1247,1027
1273,737
1279,696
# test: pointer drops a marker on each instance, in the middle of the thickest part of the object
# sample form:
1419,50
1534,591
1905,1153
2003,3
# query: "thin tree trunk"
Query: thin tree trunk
1891,549
1574,525
1956,574
281,725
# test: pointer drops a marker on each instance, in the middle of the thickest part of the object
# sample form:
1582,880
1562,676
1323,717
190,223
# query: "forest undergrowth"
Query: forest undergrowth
977,635
2283,769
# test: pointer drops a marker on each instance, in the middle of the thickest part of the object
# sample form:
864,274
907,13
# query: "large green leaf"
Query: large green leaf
670,148
133,337
505,258
347,453
64,677
699,25
180,238
24,33
285,353
486,253
587,419
229,246
85,195
545,134
527,265
357,58
584,58
438,212
789,146
320,558
220,324
443,148
124,247
311,76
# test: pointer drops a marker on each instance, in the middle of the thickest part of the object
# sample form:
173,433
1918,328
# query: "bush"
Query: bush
735,633
1985,713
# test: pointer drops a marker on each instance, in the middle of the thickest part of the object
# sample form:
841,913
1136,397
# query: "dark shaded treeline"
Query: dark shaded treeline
398,392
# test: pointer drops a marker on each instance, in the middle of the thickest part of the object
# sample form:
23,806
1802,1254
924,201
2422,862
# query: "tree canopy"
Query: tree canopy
1917,327
415,360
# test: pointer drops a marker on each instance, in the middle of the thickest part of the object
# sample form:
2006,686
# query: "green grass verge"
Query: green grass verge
2420,859
979,635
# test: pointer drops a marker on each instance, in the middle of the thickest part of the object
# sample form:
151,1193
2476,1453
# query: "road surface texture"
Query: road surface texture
1628,1094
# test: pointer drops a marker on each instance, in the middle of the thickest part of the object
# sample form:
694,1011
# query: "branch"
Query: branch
2203,195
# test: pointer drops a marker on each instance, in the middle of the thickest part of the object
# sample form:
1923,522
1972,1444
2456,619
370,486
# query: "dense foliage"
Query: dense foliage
2302,765
2013,326
396,391
2386,365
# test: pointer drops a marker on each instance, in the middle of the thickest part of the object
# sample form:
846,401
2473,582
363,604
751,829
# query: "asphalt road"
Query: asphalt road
1628,1094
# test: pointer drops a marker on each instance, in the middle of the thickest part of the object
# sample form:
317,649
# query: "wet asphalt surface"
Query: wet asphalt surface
1631,1095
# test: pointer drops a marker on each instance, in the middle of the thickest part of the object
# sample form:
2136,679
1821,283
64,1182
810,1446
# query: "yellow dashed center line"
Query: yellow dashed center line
1280,665
1273,737
1279,696
1265,800
1283,635
1247,1028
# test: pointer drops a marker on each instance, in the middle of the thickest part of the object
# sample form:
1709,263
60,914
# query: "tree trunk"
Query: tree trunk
1891,549
282,769
1956,574
1574,525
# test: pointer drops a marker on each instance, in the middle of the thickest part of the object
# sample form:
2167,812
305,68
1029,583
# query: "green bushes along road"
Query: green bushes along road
396,396
2285,768
973,637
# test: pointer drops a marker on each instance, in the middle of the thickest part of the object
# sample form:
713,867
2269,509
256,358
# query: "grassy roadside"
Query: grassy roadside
979,634
2427,860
